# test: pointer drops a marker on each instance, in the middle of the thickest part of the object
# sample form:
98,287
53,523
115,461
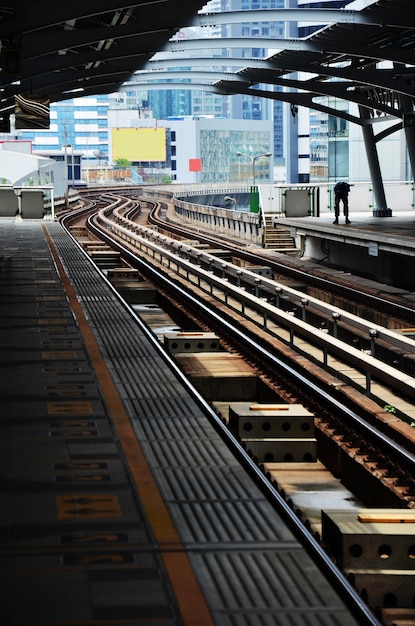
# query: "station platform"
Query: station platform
398,230
381,249
120,501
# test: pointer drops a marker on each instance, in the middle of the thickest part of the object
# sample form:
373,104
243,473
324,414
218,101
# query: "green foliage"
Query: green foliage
120,162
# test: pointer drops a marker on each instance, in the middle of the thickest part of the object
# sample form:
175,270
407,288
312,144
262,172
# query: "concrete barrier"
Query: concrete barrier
376,550
270,420
191,342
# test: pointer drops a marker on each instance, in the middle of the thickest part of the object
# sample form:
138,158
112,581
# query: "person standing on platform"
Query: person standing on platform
341,192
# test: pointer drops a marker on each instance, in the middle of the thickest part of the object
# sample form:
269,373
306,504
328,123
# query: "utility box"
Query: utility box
261,270
275,433
376,547
297,203
277,450
8,202
249,419
32,204
371,538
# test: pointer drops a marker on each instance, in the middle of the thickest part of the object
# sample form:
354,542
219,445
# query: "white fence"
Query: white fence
400,195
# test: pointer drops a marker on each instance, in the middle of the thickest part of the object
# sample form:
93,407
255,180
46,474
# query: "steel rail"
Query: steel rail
269,286
348,354
319,281
347,592
405,457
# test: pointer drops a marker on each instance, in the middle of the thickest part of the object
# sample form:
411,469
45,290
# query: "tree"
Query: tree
120,162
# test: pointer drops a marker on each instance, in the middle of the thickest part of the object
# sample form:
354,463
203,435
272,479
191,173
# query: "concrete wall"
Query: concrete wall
388,267
241,224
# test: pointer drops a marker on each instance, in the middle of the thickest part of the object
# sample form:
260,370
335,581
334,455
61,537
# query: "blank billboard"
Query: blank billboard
139,144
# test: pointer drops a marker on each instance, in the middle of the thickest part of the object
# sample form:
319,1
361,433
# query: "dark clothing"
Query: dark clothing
341,188
341,192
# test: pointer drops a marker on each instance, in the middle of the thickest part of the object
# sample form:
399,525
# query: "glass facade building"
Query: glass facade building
251,107
327,155
219,148
329,144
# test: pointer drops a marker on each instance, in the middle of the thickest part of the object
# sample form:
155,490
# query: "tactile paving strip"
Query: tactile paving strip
74,544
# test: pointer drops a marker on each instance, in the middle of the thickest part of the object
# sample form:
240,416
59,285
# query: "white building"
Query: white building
200,149
20,167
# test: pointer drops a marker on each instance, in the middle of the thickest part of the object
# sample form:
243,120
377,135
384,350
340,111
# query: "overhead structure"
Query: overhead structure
345,59
365,55
59,50
368,61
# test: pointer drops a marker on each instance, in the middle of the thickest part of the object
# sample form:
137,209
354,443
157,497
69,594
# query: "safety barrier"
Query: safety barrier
275,433
376,548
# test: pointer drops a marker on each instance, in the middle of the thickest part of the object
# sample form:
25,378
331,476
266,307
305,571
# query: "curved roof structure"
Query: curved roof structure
365,54
347,60
63,49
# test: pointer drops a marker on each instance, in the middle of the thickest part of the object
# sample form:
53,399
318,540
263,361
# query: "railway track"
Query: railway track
374,303
351,421
372,404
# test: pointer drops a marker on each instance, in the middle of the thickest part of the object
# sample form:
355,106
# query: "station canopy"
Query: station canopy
363,53
58,50
367,56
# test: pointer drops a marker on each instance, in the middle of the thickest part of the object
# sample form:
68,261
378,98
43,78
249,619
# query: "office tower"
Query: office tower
251,107
316,143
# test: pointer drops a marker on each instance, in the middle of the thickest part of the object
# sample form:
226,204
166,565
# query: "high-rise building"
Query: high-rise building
252,107
316,142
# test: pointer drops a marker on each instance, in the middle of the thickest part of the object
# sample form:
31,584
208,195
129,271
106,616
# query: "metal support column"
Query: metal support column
381,209
406,105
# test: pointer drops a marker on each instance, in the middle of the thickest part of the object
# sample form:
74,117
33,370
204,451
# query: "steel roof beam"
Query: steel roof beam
317,15
333,46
